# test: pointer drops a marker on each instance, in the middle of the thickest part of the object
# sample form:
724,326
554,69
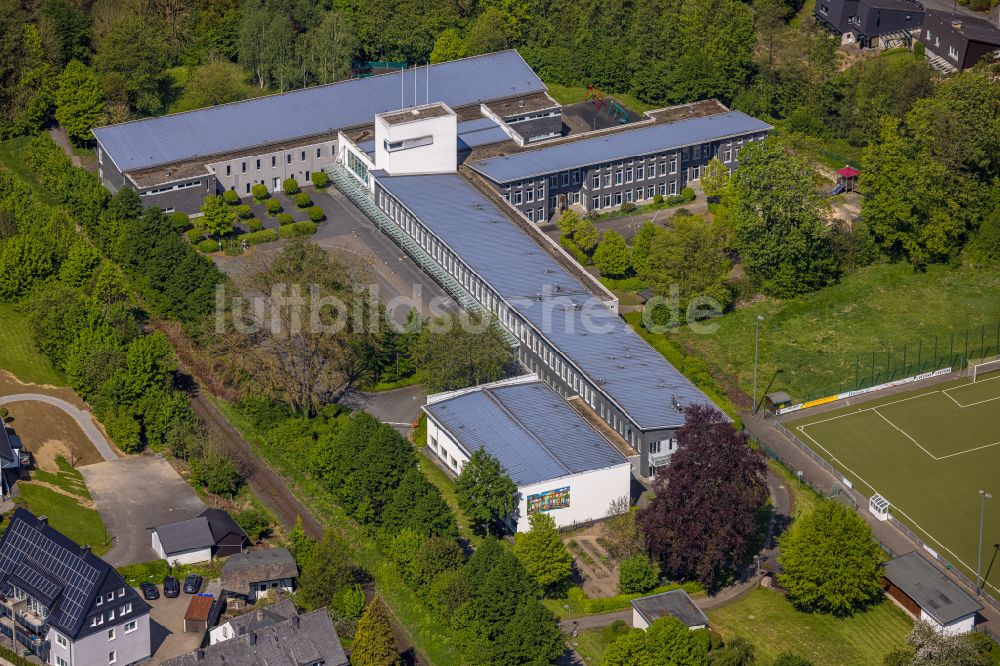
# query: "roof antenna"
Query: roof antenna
415,70
427,78
402,104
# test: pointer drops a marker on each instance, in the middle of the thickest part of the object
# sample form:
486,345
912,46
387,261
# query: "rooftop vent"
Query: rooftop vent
415,112
956,24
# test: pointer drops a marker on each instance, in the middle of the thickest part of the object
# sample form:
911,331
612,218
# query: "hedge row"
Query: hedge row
587,606
295,229
575,250
258,237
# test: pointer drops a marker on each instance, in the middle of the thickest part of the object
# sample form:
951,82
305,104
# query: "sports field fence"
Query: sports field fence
953,350
986,597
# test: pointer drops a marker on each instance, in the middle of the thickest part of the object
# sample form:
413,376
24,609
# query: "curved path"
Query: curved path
83,418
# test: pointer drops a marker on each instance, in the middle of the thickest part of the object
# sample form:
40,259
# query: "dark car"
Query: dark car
192,584
171,587
149,591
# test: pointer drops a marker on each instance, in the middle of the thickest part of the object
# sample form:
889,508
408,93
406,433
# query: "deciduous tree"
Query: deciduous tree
715,179
611,256
132,58
543,553
486,493
831,562
704,513
327,572
79,101
455,353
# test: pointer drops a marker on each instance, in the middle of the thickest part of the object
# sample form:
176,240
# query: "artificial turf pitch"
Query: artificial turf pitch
928,452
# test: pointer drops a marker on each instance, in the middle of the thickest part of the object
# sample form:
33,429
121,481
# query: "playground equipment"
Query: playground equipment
615,110
595,93
847,180
618,112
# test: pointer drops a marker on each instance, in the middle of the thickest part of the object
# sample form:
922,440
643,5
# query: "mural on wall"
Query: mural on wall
548,500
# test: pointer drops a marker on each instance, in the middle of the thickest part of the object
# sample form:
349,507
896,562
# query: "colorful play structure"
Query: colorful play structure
847,180
615,110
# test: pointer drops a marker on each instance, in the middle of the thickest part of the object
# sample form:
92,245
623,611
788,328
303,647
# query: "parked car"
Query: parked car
149,591
171,587
192,584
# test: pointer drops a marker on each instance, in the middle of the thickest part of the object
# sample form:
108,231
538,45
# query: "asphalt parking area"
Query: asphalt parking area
133,495
166,628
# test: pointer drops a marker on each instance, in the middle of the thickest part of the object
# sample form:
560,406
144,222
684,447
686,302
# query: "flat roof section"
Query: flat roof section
529,428
313,111
617,146
433,110
675,603
570,317
935,593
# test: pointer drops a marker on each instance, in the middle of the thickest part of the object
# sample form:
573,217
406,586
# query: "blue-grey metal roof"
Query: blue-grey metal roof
617,146
471,133
535,434
599,342
936,594
301,113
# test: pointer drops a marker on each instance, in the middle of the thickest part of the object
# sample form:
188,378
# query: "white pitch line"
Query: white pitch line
905,434
978,448
868,409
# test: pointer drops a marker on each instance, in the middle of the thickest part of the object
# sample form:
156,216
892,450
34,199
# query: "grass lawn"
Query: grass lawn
591,644
82,525
68,478
428,635
926,451
18,354
767,619
575,94
821,340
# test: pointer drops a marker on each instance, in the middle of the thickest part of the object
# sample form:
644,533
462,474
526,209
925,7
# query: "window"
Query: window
607,180
595,203
288,158
112,657
540,193
650,192
553,181
663,168
824,10
258,164
663,189
61,662
953,52
61,640
628,175
100,601
673,187
229,169
673,165
531,215
618,177
565,179
517,198
248,188
727,155
308,178
111,634
100,156
607,201
243,167
654,447
618,198
274,161
319,152
596,182
529,195
638,194
576,177
126,609
540,215
628,196
640,172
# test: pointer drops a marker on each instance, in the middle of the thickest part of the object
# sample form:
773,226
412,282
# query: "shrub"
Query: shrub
577,253
243,212
258,237
195,235
628,207
4,413
688,194
290,186
285,218
306,228
636,574
254,225
303,200
207,246
316,214
254,522
259,192
232,247
657,199
273,206
179,222
217,474
320,179
230,197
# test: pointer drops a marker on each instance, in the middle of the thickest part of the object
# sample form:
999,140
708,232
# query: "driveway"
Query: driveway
166,628
133,495
82,417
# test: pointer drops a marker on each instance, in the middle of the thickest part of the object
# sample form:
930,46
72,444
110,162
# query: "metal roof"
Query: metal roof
569,316
184,535
529,428
618,146
934,592
674,603
471,133
313,111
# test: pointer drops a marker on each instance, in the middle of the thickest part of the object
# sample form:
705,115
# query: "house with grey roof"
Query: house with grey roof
561,464
674,603
301,640
252,621
64,604
928,594
10,459
211,533
257,572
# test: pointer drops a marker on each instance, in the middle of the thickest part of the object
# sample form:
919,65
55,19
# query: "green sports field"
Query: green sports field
927,451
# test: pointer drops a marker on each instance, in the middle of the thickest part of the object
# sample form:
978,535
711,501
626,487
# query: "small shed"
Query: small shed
257,572
675,603
228,536
929,595
184,542
777,400
198,612
847,179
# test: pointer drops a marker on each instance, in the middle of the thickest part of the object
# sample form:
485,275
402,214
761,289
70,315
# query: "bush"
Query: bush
217,474
657,199
254,522
290,186
259,192
179,222
243,212
254,225
316,214
303,200
273,206
686,195
306,228
195,235
636,574
208,246
285,218
320,179
232,247
258,237
628,207
230,197
582,257
4,413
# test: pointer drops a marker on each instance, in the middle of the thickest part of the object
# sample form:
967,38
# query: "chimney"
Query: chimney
43,521
260,614
295,621
253,638
956,24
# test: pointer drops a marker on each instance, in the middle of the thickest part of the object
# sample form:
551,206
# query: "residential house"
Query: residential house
953,43
871,23
252,621
258,572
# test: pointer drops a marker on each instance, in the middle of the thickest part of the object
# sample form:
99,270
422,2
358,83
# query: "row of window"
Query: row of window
665,189
274,160
109,616
176,186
